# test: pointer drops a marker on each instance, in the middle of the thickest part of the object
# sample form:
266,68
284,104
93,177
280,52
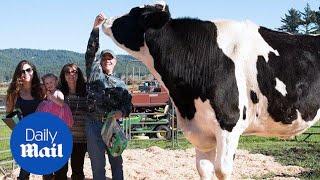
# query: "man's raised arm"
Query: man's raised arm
93,43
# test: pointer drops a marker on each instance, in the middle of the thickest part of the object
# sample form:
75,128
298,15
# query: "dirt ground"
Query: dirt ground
157,163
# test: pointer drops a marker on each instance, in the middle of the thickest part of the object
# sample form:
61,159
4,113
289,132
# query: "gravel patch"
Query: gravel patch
163,164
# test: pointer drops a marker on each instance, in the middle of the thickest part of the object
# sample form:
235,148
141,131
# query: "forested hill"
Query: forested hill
52,61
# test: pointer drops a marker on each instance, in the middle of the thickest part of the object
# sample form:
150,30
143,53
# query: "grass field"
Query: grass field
287,152
5,154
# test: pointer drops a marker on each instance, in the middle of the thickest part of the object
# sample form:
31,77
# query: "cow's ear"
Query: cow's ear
155,20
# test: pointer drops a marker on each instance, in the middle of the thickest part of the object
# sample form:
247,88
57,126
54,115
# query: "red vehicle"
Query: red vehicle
149,101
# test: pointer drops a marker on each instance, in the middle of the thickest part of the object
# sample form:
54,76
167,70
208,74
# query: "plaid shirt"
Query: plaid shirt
97,80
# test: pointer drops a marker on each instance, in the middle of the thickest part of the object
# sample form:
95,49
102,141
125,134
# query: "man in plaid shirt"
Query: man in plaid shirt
99,70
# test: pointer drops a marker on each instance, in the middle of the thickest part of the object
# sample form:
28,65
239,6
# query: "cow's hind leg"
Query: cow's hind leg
227,143
205,166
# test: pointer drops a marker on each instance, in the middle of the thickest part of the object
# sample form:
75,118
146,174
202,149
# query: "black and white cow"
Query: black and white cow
225,78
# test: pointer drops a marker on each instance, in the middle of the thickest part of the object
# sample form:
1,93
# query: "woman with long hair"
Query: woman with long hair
25,85
25,93
72,85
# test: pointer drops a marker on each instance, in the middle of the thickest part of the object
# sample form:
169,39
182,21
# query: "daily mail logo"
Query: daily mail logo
41,143
32,150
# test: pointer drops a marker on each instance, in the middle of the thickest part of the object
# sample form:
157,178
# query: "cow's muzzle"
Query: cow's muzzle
107,24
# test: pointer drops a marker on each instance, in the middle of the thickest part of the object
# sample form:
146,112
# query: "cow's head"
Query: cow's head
128,30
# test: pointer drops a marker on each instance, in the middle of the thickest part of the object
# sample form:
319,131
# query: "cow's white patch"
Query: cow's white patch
201,130
206,169
227,143
204,162
281,87
108,23
239,40
315,119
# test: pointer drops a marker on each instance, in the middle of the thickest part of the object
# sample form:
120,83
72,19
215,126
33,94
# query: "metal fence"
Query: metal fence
309,133
7,163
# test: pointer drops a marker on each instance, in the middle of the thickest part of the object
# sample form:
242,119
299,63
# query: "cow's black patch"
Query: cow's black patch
129,29
254,97
244,116
192,66
187,56
132,38
298,67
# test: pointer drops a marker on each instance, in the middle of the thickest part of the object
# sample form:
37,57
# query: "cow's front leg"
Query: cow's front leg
205,164
227,143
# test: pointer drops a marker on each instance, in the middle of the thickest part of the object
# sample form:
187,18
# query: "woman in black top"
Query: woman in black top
25,93
72,85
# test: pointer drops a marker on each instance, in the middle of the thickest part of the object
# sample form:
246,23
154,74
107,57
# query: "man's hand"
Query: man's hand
99,20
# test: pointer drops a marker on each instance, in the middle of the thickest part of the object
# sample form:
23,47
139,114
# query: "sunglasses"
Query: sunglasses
24,71
72,72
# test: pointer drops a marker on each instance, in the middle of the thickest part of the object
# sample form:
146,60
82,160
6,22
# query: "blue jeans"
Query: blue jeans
97,149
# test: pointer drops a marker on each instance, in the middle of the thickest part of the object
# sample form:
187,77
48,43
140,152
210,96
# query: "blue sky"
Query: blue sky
66,24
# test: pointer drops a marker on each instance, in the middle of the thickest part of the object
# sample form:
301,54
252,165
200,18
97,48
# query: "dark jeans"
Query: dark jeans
60,174
77,160
23,174
97,149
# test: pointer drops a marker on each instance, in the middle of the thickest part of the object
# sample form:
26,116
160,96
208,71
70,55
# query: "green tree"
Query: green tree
291,21
308,20
317,21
